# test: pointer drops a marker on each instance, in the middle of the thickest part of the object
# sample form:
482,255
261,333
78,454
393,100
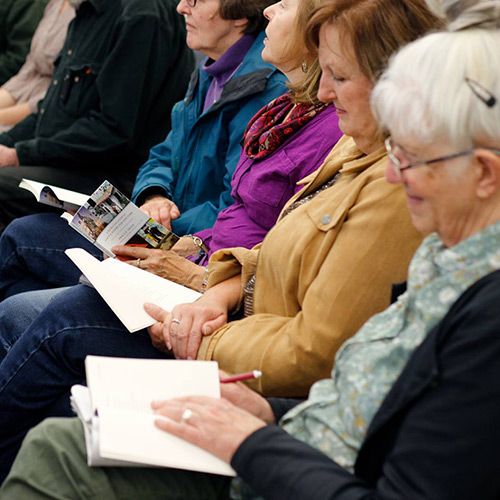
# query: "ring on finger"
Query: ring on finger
175,320
138,263
186,415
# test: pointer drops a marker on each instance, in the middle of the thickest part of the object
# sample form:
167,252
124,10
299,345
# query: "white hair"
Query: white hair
424,93
462,14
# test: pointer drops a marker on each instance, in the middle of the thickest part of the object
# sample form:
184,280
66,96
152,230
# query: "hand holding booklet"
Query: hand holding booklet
109,218
106,218
118,421
126,288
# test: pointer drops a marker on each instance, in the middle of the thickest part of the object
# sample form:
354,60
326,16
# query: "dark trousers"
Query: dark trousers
16,202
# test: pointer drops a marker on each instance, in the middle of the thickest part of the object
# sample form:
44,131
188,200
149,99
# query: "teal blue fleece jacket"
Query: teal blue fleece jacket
194,165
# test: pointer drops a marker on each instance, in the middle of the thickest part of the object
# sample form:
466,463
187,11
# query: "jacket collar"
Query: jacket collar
346,158
93,4
251,77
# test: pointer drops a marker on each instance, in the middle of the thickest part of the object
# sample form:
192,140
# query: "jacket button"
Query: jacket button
77,79
55,82
325,219
69,52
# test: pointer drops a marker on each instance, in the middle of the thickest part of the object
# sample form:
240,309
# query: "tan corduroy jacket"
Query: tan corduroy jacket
322,271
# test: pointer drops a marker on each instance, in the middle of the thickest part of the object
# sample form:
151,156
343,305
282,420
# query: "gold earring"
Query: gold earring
304,67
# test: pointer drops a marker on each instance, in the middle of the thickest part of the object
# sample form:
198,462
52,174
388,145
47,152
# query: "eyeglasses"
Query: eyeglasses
390,146
191,3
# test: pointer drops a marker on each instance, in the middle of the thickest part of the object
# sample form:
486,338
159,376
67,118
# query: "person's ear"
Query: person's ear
241,23
487,165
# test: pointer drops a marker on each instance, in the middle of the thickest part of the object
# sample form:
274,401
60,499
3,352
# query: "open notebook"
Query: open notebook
118,421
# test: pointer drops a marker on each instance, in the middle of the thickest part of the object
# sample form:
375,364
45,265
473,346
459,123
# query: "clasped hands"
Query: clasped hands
182,329
216,425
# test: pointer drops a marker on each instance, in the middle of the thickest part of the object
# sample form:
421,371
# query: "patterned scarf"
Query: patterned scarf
275,123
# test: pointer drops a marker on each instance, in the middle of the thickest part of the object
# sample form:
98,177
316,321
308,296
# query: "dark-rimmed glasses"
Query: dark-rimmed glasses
390,146
191,3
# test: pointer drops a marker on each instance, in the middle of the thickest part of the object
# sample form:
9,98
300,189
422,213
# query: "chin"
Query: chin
422,225
265,56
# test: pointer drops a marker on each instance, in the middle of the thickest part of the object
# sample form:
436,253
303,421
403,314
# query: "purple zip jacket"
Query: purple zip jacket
261,188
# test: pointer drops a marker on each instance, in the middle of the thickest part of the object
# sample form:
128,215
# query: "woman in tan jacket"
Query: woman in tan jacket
329,263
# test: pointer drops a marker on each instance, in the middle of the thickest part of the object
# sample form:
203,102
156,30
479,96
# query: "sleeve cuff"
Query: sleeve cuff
25,153
281,406
6,140
151,191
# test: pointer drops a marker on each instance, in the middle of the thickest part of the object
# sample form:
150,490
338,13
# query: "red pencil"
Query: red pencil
242,376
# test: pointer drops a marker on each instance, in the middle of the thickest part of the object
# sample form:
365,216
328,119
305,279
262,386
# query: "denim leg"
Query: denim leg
32,254
18,312
48,358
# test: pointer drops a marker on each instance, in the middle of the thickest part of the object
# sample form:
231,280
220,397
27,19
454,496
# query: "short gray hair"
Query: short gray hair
424,93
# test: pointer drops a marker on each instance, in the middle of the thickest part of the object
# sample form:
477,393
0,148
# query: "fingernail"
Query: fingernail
207,330
169,345
190,358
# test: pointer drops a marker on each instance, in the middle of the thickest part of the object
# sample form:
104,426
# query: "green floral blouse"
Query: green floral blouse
338,412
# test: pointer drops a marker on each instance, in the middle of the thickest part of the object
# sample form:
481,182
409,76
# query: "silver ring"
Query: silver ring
175,320
138,263
186,415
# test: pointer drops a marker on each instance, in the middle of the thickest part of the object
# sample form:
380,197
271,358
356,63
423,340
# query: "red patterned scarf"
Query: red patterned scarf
275,123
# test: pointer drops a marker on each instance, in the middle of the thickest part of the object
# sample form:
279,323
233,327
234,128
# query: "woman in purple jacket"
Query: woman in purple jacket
286,141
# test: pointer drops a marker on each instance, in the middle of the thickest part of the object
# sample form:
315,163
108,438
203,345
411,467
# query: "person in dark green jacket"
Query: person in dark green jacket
123,65
18,22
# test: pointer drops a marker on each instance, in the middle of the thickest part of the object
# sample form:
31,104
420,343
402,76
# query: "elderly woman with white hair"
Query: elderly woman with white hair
412,407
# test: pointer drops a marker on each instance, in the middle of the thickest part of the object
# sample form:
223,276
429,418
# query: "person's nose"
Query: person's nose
269,11
392,174
183,7
326,90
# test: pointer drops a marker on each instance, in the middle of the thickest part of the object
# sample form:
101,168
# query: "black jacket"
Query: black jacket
18,21
123,66
436,435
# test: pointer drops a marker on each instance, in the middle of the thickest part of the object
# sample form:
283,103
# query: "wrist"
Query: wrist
198,243
12,158
198,277
204,282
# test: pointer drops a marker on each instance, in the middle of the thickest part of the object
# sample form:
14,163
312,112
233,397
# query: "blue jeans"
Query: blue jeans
32,254
18,312
48,358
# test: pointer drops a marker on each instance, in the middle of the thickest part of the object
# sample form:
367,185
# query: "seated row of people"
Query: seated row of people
398,418
123,66
19,95
315,285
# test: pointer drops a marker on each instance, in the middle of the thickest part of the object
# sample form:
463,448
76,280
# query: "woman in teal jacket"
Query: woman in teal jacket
193,167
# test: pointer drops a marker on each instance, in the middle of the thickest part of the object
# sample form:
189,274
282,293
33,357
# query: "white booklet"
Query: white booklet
108,218
126,288
54,196
118,421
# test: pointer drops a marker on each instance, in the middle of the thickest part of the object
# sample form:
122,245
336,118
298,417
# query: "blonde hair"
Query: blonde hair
306,91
